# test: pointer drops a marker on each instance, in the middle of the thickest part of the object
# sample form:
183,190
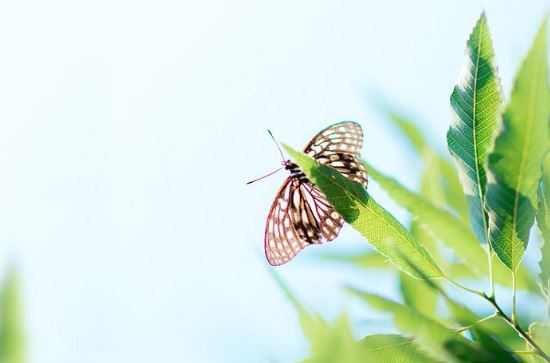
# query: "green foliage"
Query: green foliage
515,163
500,156
363,213
417,295
11,330
392,348
541,334
437,165
449,230
436,338
475,101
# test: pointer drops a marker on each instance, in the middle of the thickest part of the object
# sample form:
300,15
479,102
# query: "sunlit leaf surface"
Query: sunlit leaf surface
515,163
475,100
449,230
360,210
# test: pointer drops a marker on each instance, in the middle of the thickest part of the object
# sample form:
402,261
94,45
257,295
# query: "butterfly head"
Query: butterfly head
289,165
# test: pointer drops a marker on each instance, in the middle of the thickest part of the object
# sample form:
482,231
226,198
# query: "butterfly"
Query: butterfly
301,215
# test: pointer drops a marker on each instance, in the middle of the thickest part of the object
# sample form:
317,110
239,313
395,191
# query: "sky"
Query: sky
129,129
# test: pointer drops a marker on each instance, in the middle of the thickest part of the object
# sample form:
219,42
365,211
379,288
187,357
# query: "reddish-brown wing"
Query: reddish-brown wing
339,146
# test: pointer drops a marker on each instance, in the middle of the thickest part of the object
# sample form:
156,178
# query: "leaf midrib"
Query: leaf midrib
474,123
391,346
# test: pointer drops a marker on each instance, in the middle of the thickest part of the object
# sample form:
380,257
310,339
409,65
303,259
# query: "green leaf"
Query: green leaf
540,332
411,132
374,260
452,188
442,223
515,163
487,331
11,328
467,318
415,292
440,341
431,190
361,211
391,348
476,101
449,230
332,343
326,342
370,259
491,344
417,295
543,222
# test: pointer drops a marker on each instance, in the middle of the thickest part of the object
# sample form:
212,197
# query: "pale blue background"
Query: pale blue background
128,129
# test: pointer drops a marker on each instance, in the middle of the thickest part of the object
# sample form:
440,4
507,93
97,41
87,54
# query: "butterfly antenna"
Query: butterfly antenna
265,176
275,141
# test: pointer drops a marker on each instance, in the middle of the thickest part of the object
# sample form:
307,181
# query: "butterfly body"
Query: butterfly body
295,171
301,214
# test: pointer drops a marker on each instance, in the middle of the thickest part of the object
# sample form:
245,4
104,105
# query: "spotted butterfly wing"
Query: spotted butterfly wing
301,214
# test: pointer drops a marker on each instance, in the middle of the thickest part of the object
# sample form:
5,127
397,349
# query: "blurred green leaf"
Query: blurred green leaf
543,222
326,342
11,328
392,348
410,131
476,101
415,292
452,188
449,230
375,260
515,163
508,338
370,259
486,332
362,212
417,295
330,343
469,320
443,224
491,344
432,190
540,333
440,341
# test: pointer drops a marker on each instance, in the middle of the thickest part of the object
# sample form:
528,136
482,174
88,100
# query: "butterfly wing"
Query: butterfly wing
339,146
299,216
282,242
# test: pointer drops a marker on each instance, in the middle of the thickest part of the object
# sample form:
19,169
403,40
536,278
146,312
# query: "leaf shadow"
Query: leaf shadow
344,193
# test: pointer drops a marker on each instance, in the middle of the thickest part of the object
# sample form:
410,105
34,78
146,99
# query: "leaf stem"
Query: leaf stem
514,293
491,275
458,284
511,321
515,325
460,330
